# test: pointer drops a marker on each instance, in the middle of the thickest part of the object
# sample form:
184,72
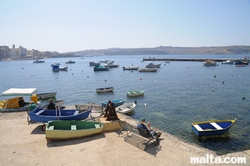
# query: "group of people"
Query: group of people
50,106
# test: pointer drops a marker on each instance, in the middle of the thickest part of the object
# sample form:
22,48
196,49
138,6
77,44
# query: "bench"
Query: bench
129,128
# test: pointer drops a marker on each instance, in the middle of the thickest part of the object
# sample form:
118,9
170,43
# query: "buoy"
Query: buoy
214,75
145,104
140,78
105,80
155,82
243,98
188,67
87,76
223,82
213,89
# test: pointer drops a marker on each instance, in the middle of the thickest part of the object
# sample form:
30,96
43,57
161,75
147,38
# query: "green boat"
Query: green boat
70,129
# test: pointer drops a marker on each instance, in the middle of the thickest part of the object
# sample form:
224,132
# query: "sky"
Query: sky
76,25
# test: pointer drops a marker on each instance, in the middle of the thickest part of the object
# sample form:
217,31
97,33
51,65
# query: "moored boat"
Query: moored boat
126,108
47,95
70,129
135,93
148,69
38,61
101,68
131,68
94,64
209,62
106,89
229,61
117,102
70,62
212,127
152,65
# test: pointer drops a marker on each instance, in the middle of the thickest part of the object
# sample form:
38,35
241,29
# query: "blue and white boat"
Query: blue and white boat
212,127
45,115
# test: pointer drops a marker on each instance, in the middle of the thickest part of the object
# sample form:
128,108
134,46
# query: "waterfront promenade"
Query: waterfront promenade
23,144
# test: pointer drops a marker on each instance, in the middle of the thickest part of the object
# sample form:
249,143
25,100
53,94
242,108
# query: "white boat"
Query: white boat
126,108
209,63
148,69
131,68
63,68
107,89
229,61
152,65
111,64
135,93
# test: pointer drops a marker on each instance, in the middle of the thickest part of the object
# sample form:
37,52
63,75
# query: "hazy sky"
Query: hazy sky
74,25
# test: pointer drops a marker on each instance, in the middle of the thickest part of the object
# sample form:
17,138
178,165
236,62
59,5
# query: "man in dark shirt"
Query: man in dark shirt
51,105
149,130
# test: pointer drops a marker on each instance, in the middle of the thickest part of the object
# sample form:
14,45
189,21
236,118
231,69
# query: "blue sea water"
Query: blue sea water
175,96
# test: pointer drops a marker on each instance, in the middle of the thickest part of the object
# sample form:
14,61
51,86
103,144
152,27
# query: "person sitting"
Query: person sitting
51,105
32,106
111,113
142,125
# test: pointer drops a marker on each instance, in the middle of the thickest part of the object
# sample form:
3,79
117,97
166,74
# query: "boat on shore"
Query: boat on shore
45,115
148,69
212,127
70,129
13,99
106,89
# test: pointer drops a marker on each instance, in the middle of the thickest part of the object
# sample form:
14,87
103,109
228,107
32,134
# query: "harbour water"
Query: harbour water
175,96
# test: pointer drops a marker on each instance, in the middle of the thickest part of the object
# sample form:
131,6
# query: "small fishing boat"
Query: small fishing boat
45,115
152,65
126,108
116,102
38,61
229,61
212,127
70,129
70,62
55,64
135,93
65,68
47,95
131,68
101,68
103,90
209,63
94,64
241,65
148,69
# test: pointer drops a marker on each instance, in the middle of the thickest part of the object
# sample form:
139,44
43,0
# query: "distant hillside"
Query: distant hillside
164,50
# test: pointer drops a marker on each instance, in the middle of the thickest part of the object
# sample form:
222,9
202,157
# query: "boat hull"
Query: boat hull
41,96
43,115
125,108
212,128
135,93
59,130
103,90
116,103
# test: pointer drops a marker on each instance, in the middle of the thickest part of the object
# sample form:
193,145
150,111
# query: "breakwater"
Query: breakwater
187,59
